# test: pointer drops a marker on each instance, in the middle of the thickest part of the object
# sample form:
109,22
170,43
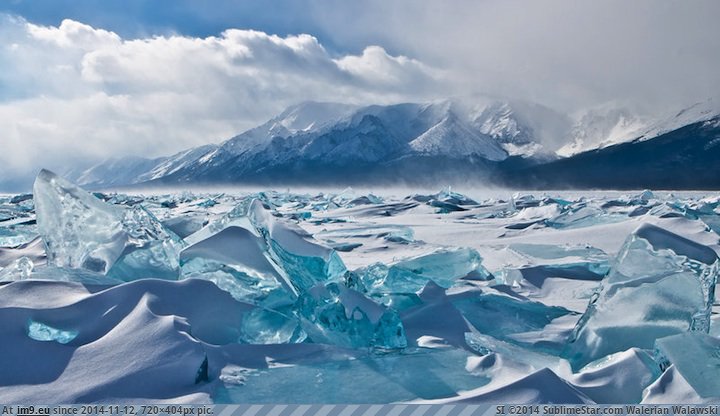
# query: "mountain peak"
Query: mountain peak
451,137
310,115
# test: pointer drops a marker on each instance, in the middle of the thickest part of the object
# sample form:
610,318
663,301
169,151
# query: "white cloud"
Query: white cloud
567,54
72,34
377,67
75,92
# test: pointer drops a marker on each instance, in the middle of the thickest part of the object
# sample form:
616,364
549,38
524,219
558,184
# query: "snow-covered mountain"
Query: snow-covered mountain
680,158
322,141
610,125
132,170
332,134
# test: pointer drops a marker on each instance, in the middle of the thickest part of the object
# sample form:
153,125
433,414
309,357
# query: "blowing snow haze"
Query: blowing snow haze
88,87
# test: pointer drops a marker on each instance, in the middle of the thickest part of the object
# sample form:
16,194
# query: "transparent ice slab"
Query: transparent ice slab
81,231
443,266
448,195
590,258
242,286
501,316
661,284
237,216
13,236
265,248
151,250
185,225
519,201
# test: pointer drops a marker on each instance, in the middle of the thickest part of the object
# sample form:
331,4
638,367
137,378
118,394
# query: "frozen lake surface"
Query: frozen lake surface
356,296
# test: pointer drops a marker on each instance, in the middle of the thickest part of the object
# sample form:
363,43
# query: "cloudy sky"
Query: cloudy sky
83,80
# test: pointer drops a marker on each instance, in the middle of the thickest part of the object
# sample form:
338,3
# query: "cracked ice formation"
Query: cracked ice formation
151,250
81,231
446,200
447,195
444,267
20,269
661,284
337,315
696,357
42,332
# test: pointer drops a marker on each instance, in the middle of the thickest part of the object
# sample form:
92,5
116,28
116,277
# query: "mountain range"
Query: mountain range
480,140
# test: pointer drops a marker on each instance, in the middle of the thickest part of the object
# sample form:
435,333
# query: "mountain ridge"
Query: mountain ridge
315,142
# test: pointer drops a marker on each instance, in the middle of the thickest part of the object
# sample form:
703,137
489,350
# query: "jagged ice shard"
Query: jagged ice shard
237,216
660,285
304,261
248,249
81,231
151,250
236,261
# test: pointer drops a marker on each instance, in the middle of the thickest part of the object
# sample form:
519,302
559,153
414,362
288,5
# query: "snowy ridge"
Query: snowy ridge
177,162
610,125
600,128
698,112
